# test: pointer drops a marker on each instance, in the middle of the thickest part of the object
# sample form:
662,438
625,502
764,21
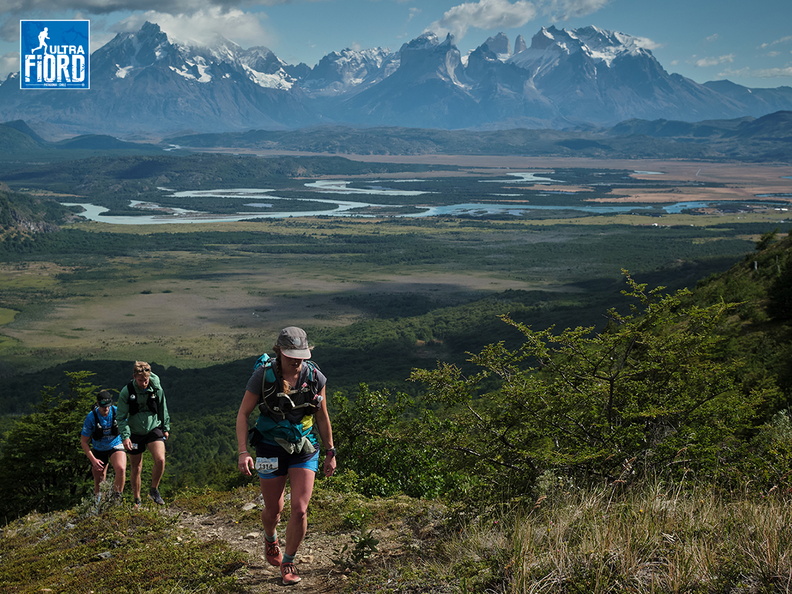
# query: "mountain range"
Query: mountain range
146,85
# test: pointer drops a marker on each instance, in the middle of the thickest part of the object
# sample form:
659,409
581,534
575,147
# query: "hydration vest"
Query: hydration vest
152,403
99,430
300,401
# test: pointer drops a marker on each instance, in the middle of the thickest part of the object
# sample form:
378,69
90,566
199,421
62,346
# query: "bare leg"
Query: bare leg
135,468
272,490
302,483
119,459
157,449
98,477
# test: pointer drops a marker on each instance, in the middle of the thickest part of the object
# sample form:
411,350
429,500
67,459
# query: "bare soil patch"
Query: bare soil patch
315,561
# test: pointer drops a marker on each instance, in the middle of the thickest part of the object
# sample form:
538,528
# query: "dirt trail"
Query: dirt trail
314,561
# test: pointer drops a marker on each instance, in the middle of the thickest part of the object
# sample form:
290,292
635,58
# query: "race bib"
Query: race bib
265,465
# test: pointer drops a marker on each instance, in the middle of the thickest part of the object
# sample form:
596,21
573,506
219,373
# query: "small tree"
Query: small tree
378,441
649,392
41,464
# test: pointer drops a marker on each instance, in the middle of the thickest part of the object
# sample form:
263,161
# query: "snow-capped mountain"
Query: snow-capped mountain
349,71
147,84
150,47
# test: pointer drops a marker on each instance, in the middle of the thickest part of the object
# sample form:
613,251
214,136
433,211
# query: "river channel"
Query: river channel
349,201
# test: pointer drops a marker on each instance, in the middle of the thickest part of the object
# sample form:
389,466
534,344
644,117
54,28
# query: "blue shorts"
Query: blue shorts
273,461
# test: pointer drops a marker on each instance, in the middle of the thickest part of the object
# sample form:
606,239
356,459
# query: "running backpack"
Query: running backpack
300,401
134,404
98,432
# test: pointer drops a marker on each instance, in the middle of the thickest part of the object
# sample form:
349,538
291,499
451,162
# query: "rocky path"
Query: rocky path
314,561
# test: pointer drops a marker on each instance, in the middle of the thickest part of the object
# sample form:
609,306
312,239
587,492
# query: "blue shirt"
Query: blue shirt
108,441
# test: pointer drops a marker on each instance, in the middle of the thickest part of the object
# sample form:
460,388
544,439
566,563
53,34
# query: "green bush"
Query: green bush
650,395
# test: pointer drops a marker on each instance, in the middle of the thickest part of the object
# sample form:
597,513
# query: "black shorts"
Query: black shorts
139,442
104,455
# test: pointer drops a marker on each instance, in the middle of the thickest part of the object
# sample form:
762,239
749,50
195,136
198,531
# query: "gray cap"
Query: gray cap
293,342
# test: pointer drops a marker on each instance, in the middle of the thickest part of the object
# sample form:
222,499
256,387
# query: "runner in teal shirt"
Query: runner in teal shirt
145,425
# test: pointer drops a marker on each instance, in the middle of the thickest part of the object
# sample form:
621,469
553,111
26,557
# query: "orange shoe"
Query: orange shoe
289,574
273,552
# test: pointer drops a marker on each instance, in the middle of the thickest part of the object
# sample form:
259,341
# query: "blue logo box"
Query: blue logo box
54,54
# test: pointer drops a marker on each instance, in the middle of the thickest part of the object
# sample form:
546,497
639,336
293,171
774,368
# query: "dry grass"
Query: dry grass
658,540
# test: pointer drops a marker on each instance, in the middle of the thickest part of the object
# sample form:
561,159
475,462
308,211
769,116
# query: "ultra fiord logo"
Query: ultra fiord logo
54,54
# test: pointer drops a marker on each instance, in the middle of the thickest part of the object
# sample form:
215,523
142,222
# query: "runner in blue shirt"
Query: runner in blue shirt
100,430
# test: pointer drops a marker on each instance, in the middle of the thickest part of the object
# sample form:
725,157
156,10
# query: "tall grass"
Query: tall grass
658,539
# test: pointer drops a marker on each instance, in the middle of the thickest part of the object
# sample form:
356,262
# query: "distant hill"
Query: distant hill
103,142
18,142
746,139
21,214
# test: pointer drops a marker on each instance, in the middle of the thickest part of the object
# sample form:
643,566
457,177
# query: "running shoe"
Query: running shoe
155,495
289,574
273,552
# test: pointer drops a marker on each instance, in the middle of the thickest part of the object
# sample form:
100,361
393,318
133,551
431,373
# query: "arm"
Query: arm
122,416
326,433
246,464
165,416
96,464
162,411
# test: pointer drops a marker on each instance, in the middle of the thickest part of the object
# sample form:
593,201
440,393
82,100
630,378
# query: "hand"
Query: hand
246,464
98,465
329,465
127,444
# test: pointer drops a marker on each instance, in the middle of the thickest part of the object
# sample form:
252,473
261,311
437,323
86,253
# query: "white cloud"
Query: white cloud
108,6
759,72
781,40
484,14
647,43
773,72
9,63
705,62
227,11
563,10
713,37
492,15
204,25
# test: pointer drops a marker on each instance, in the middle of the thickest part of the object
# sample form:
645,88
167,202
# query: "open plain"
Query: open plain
222,302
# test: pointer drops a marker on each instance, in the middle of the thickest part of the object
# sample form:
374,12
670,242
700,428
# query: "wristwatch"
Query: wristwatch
330,452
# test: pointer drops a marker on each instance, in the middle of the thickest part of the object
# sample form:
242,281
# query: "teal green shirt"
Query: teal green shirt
144,421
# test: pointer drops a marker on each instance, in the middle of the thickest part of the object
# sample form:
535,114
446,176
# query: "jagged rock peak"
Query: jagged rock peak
597,43
429,40
519,44
499,44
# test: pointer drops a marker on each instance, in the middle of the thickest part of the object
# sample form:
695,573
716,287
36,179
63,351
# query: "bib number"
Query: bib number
266,465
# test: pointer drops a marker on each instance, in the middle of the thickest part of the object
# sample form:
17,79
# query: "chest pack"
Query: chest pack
152,405
300,400
99,429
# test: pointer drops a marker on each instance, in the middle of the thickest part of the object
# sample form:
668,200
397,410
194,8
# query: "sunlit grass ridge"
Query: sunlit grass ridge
657,539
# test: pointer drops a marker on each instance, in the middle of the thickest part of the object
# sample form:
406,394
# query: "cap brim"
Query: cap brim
297,353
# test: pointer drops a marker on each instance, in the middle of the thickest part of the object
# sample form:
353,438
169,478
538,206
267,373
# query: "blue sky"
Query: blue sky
749,43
